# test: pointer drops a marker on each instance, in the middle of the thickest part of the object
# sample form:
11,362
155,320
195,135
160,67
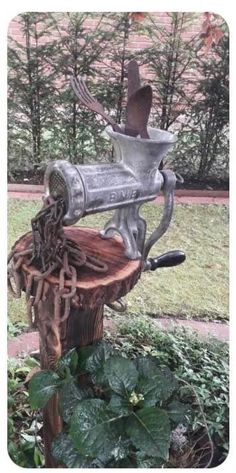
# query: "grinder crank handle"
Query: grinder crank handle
170,179
167,260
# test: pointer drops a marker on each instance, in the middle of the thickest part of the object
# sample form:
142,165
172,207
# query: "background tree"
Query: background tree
31,90
171,59
188,73
113,66
202,155
80,51
211,112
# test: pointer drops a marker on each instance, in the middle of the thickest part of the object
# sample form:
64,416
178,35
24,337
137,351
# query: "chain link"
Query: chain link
50,253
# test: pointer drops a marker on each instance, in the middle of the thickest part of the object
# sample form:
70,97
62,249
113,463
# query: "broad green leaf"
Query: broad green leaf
83,354
121,374
64,451
178,411
94,429
121,450
96,360
120,405
69,396
149,431
42,386
157,388
145,366
68,361
113,457
170,378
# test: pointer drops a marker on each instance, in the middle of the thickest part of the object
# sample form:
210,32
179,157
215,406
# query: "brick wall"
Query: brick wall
135,41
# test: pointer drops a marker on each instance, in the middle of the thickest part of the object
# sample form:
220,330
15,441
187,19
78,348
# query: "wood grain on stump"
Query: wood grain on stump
95,288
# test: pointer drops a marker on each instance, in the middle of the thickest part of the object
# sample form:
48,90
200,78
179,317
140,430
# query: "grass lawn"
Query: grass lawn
196,289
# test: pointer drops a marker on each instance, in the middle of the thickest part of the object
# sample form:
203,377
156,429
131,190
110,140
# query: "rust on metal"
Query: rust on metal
47,251
90,241
138,105
82,92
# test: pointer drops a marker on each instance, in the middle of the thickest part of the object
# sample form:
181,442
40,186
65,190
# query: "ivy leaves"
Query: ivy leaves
123,416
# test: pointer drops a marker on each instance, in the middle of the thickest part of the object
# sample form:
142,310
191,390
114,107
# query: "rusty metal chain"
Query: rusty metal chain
50,253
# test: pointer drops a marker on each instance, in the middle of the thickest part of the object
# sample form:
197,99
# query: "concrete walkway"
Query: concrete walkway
28,342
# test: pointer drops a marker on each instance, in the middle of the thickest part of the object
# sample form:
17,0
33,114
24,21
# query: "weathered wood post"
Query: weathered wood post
84,325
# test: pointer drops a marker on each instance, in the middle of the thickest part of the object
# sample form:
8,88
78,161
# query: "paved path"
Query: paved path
178,199
205,329
29,342
182,196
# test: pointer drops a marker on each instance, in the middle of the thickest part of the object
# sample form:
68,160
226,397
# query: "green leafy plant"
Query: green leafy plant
190,85
195,361
202,363
15,328
121,416
210,114
204,135
31,90
24,440
170,58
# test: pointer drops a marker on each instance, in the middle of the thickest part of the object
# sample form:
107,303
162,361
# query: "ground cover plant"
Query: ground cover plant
24,441
196,289
122,415
202,364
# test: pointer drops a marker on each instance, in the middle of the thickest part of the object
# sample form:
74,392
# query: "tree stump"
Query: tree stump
84,324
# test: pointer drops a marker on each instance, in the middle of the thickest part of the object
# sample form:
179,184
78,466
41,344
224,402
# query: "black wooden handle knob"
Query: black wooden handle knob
171,258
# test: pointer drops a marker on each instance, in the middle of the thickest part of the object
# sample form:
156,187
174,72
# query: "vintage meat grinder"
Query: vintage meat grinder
123,186
126,184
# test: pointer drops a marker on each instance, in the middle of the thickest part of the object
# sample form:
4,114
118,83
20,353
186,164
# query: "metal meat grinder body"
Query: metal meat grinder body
122,186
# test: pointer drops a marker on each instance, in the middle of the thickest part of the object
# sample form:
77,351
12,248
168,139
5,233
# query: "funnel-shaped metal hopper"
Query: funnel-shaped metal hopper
142,154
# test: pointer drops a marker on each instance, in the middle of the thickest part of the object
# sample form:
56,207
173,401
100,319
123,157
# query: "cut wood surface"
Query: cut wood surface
93,287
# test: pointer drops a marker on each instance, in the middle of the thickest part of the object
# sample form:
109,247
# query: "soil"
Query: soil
36,177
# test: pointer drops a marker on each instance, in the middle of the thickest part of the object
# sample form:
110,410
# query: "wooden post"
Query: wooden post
85,324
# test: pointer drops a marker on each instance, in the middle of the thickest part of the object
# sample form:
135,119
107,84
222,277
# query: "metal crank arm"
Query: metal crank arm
119,306
168,191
